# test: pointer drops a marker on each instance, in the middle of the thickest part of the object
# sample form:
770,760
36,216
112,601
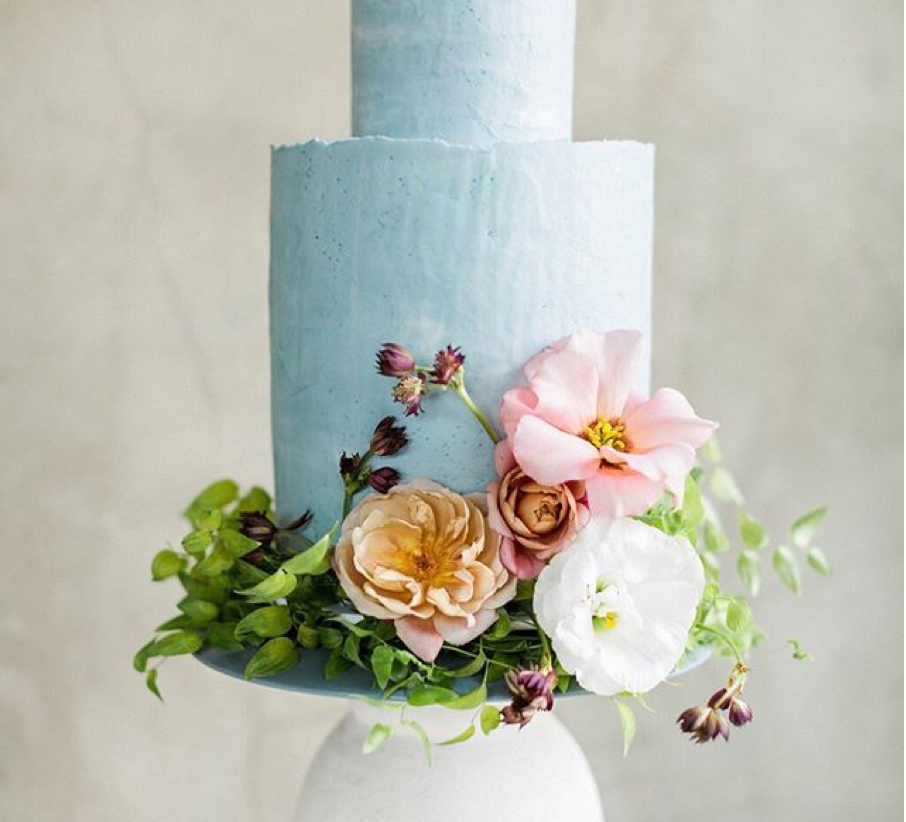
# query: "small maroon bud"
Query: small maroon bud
447,363
532,690
254,557
718,699
383,479
703,723
257,526
740,712
409,392
388,439
394,361
349,466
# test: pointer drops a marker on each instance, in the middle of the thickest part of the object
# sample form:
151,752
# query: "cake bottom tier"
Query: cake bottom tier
499,251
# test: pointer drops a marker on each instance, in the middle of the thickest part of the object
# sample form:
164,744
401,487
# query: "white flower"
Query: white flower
618,604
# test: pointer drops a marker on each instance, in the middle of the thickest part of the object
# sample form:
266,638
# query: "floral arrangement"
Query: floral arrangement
592,560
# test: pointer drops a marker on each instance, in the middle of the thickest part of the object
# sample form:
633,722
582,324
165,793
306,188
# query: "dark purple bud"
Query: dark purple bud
299,522
254,557
383,479
388,439
740,712
703,723
718,699
409,392
349,466
532,690
394,361
447,363
257,526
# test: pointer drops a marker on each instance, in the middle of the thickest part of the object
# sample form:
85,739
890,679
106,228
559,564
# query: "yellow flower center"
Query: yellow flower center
606,622
608,432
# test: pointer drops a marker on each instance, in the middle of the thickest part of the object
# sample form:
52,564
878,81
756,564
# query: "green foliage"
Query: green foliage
803,529
489,719
467,734
627,722
377,735
267,622
166,563
274,657
798,653
787,568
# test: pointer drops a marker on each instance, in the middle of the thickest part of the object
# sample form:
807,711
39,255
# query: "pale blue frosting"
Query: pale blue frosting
466,71
500,251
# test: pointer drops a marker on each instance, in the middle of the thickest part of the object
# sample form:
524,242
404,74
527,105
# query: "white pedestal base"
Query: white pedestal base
538,774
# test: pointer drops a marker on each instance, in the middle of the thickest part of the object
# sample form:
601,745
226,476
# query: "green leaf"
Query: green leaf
377,735
179,643
211,589
711,566
422,735
140,660
525,590
351,649
709,451
490,719
803,529
257,499
472,667
468,733
627,723
197,542
166,564
724,487
223,635
216,495
312,560
752,532
747,566
277,585
816,559
468,701
430,695
274,657
218,561
151,683
798,653
501,627
693,510
267,622
715,539
200,611
210,519
235,544
382,664
307,637
739,617
330,637
787,568
336,664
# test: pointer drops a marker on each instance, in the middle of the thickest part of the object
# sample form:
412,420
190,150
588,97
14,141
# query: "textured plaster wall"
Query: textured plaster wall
133,364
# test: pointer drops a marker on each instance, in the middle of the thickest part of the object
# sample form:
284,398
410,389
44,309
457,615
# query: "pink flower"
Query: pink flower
580,420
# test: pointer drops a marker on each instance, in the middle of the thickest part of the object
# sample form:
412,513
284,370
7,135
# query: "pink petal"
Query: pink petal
616,356
495,519
524,564
613,494
420,637
457,631
534,364
550,456
667,418
515,404
504,461
659,464
566,386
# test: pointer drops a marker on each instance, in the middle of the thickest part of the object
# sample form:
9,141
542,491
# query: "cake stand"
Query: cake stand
537,774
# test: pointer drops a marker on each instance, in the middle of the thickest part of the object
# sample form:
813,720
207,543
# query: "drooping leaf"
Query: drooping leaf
200,611
382,664
140,660
693,510
179,643
472,667
422,735
277,585
816,560
490,719
715,539
752,532
787,568
798,653
627,723
166,564
377,735
468,733
274,657
311,561
336,664
709,451
724,487
739,617
430,695
711,566
803,529
747,565
351,649
151,683
270,621
468,701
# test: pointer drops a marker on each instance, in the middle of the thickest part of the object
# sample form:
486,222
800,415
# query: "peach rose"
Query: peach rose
534,521
427,559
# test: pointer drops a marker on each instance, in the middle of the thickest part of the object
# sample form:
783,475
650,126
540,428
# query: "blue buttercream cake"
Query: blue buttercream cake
459,212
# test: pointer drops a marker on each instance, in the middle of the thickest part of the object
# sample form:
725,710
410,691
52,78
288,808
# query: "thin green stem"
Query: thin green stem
547,659
459,386
726,640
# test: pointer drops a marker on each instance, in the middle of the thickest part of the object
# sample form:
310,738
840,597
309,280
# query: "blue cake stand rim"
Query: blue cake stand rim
308,678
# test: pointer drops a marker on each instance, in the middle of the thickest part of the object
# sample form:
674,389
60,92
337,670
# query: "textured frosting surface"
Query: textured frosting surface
501,251
475,72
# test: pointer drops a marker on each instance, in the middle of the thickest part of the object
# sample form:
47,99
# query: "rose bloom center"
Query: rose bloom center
611,433
542,512
426,559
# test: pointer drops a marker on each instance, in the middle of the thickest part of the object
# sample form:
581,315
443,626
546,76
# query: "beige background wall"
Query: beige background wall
133,249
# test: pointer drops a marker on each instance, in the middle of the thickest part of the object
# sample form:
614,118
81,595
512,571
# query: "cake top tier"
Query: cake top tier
476,72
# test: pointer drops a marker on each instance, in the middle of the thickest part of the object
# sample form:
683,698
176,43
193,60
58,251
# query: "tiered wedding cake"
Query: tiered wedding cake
460,212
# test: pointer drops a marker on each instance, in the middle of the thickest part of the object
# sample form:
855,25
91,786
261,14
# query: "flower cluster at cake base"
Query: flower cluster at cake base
589,561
